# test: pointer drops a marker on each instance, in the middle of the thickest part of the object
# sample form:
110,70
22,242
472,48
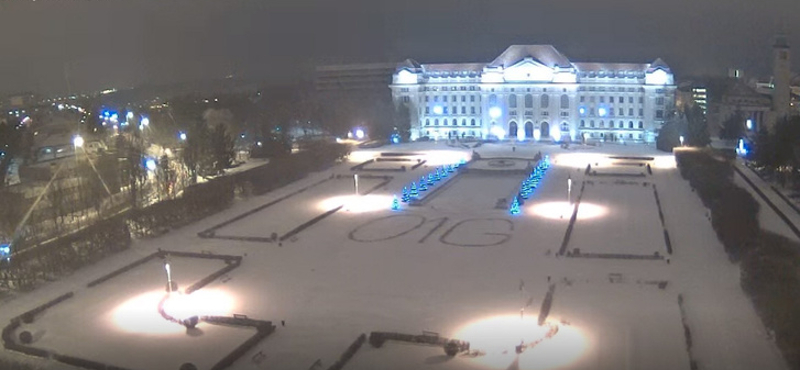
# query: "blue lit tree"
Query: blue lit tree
514,206
395,204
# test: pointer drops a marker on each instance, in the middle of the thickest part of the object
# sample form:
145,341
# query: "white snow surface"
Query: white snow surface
423,268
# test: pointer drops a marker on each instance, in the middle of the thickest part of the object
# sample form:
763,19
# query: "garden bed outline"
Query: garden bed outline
263,328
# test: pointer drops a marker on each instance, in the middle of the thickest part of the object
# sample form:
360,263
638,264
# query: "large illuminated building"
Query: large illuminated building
533,92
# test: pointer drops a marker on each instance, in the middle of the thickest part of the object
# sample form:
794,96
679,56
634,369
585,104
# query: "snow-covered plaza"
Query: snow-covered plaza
325,265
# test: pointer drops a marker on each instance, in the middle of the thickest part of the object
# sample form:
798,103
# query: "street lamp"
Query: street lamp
182,136
145,122
77,141
681,139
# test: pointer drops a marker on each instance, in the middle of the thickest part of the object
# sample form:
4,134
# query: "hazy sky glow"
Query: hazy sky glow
103,43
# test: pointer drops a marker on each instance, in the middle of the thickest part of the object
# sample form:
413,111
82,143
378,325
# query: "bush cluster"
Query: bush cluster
769,262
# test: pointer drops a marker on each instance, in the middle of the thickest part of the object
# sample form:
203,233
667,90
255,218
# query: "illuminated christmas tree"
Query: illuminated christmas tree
515,206
422,186
395,204
414,189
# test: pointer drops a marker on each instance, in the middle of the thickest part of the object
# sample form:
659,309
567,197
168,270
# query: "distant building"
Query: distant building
534,92
354,77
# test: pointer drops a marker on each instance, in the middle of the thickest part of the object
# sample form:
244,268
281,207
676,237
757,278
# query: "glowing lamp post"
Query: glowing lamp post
569,190
171,285
681,139
77,141
355,182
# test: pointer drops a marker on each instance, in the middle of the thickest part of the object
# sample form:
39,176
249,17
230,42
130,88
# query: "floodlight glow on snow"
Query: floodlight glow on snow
497,131
361,156
664,161
77,141
140,314
564,210
498,336
443,157
495,112
580,160
555,133
358,204
359,134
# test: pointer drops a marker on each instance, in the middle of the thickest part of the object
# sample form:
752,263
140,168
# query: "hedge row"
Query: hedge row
734,212
45,261
769,262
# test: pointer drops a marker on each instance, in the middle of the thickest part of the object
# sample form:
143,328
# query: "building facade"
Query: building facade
533,92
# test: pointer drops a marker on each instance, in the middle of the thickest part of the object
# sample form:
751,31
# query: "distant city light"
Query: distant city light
495,112
601,111
150,164
145,121
438,109
749,124
259,144
182,136
77,141
582,110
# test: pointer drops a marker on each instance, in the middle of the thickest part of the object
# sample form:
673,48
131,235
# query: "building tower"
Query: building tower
781,76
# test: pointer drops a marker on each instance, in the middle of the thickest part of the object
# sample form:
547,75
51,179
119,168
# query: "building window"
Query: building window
472,122
528,100
436,122
591,123
406,99
641,124
660,100
463,122
463,110
621,99
472,98
641,100
564,126
602,99
512,101
545,113
427,122
611,124
630,99
427,110
472,110
445,110
455,122
602,124
545,101
564,101
641,112
630,112
630,136
659,114
564,114
492,99
583,98
427,98
444,121
621,112
463,88
630,124
621,124
583,123
463,98
436,98
591,99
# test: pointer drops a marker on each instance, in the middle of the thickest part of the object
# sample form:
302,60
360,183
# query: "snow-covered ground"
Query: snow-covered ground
463,271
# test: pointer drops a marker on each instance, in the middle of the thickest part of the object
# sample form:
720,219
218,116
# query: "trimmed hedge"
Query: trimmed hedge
769,262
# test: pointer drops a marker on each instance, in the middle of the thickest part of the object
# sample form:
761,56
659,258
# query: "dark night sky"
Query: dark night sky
102,43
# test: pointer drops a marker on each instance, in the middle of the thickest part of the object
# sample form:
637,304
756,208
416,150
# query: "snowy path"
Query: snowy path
424,269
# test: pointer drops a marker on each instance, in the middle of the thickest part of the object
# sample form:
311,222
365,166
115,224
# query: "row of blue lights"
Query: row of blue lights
529,184
413,191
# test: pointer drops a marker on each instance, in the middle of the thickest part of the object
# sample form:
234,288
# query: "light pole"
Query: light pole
170,284
681,139
569,190
355,181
